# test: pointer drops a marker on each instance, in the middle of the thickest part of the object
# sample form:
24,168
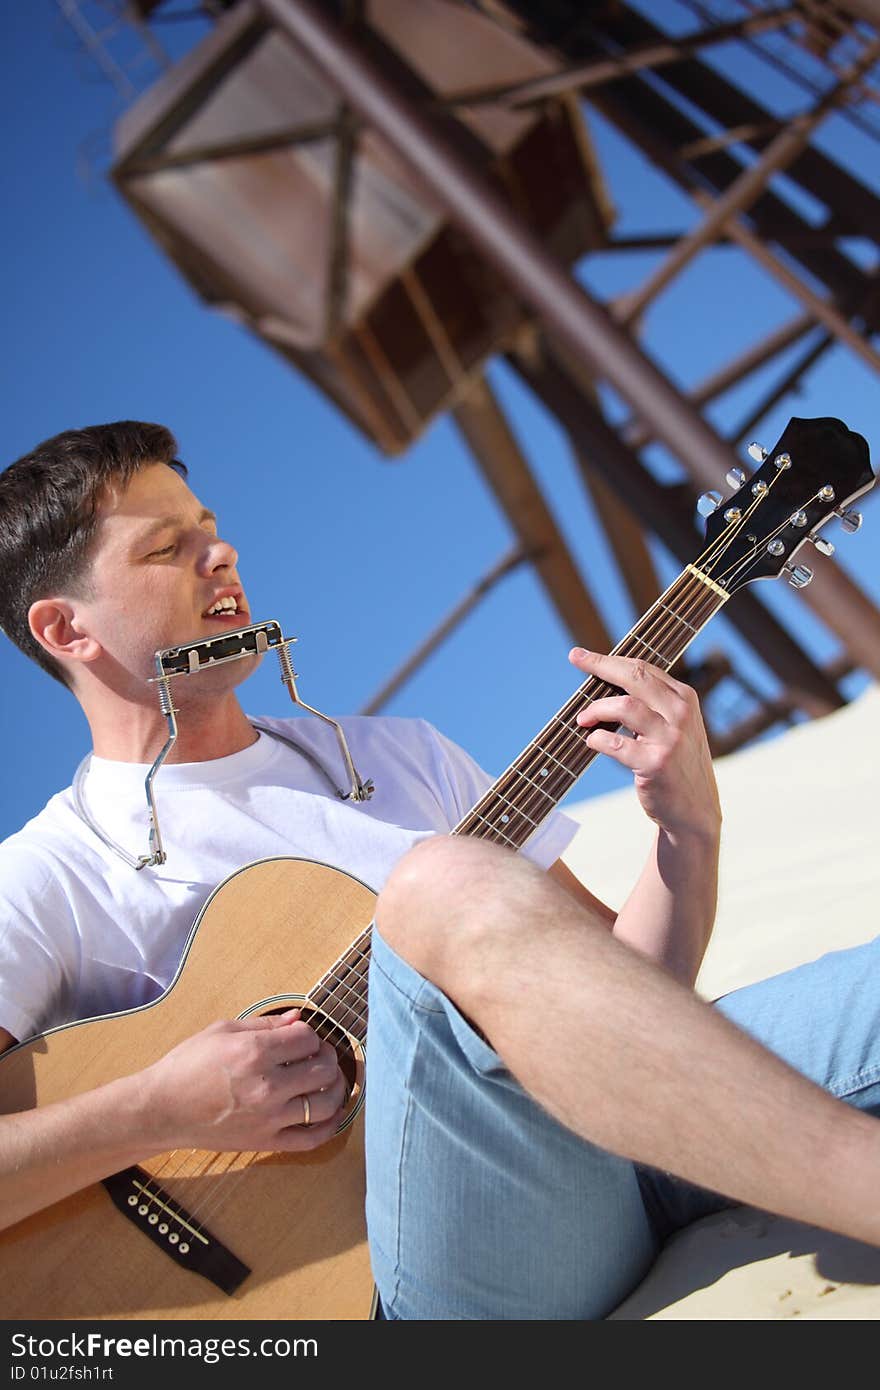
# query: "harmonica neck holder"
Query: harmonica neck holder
189,659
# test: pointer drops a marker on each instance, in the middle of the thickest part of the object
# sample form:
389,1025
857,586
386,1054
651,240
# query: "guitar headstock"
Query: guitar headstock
816,469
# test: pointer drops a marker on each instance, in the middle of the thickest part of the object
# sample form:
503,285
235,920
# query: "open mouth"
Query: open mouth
226,609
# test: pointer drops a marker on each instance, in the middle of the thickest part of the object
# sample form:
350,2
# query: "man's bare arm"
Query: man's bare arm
668,916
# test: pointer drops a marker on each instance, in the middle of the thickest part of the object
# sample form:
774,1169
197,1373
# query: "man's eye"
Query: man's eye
166,550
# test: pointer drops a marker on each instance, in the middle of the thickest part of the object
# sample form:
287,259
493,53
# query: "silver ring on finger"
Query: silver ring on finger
307,1111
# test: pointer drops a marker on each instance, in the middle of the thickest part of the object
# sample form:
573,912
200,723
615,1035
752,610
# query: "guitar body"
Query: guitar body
296,1221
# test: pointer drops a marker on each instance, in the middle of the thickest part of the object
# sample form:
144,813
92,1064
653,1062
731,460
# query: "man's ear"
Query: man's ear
53,623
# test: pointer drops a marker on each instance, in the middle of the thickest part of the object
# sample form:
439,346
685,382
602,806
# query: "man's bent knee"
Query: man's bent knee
447,901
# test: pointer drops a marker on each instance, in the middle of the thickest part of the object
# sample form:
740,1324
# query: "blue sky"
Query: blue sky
358,555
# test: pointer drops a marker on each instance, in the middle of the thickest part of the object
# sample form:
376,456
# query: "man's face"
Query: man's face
159,575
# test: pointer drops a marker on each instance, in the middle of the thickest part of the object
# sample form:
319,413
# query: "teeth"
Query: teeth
224,605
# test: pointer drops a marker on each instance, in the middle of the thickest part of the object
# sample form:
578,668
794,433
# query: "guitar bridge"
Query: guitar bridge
169,1226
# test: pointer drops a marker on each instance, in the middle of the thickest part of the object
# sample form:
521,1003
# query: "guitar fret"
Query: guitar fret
570,728
518,810
504,837
538,788
353,961
348,986
351,989
353,982
344,1025
345,1012
349,1020
350,975
664,660
545,754
678,618
345,968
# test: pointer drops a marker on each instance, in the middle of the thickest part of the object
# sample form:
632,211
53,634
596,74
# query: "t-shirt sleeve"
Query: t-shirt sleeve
34,944
461,782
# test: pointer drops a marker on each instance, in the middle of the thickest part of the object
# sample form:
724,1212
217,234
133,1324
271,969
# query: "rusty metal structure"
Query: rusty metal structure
391,193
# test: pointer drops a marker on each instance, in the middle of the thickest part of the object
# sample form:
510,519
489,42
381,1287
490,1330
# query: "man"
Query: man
106,556
508,973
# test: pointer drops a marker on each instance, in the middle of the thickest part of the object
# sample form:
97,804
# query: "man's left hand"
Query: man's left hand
668,751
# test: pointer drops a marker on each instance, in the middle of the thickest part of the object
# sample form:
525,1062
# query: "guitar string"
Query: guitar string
750,561
355,960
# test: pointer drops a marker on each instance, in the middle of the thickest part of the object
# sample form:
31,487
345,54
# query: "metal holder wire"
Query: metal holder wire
192,657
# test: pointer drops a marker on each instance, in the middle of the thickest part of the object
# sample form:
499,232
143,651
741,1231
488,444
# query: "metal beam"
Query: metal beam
602,70
729,105
487,432
503,567
721,212
833,596
778,711
826,236
749,361
658,128
337,280
242,147
833,319
781,388
625,535
635,433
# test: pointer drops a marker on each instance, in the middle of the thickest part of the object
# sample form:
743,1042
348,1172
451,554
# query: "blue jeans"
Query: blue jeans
480,1206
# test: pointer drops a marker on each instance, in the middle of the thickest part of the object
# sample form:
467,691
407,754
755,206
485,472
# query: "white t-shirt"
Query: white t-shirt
82,933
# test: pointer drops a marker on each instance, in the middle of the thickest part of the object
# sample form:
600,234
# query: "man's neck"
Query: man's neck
215,730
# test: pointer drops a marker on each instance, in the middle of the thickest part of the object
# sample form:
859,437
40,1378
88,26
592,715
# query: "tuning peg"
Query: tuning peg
799,576
736,477
824,547
757,452
708,503
850,521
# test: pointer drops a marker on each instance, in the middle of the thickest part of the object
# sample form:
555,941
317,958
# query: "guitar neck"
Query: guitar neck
534,784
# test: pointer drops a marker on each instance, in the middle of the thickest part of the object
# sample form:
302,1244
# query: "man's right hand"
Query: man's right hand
262,1084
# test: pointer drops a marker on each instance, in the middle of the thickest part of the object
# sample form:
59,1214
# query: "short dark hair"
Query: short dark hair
48,515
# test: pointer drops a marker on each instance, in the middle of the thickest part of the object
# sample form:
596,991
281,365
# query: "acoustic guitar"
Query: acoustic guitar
264,1236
